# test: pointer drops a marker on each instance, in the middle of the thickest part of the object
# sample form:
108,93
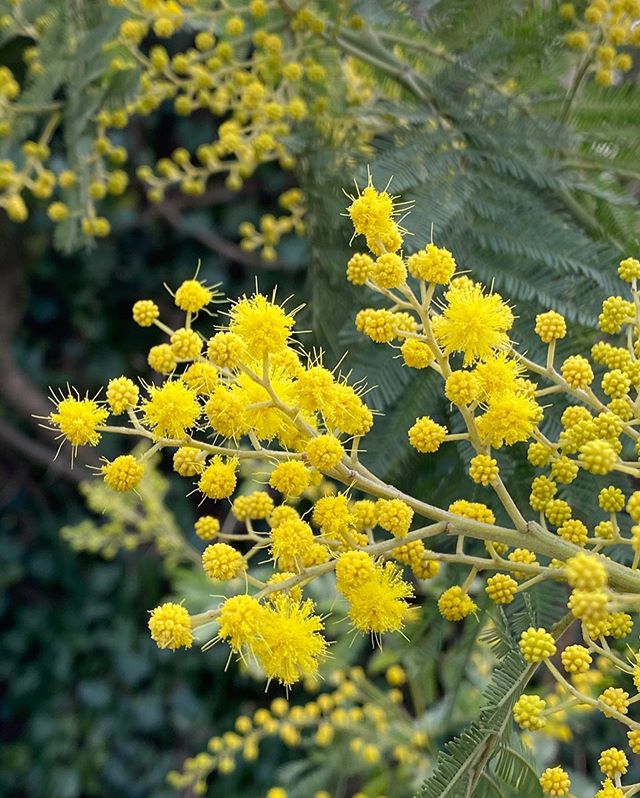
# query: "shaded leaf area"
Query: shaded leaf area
487,757
90,706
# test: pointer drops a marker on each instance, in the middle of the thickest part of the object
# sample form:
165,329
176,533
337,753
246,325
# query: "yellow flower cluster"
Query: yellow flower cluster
255,70
555,782
244,392
125,518
376,730
605,27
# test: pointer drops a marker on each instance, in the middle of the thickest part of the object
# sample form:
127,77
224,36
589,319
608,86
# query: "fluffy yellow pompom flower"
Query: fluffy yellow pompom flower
218,480
201,377
188,461
455,604
522,556
616,384
483,469
589,605
364,514
572,530
577,39
416,354
426,435
389,271
290,540
226,412
496,375
550,326
537,644
527,712
290,645
207,527
509,418
603,530
477,511
629,269
433,264
192,296
501,588
613,762
78,420
290,478
586,572
616,698
145,312
395,516
396,675
577,371
555,782
539,454
616,312
353,568
58,212
123,473
574,415
576,659
359,268
254,506
162,359
263,326
558,512
345,411
170,626
564,470
240,621
324,452
462,387
611,499
332,514
378,604
472,322
609,790
633,506
122,394
225,349
620,625
380,325
371,211
171,409
634,740
186,344
282,576
598,456
222,562
312,388
372,215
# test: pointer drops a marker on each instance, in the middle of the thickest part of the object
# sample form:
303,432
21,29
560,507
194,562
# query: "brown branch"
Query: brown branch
38,453
214,195
211,240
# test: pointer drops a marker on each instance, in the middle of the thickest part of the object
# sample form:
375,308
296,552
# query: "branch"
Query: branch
171,213
37,453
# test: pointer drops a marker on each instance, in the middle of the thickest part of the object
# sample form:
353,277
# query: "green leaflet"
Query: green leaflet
487,759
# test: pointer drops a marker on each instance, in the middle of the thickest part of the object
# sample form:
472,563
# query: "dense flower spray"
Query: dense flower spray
248,393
